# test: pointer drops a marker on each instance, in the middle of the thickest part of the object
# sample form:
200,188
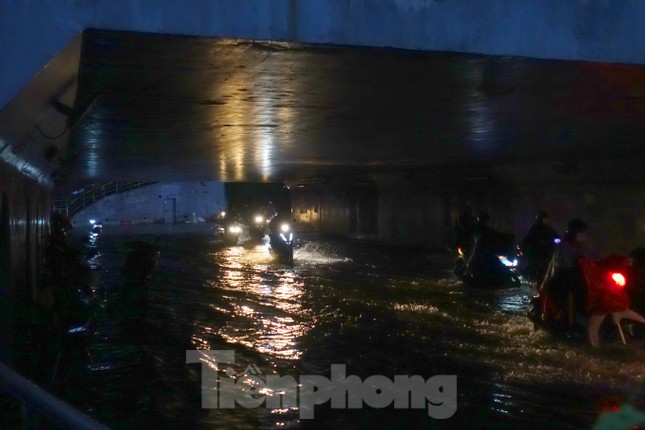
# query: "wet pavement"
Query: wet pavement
381,311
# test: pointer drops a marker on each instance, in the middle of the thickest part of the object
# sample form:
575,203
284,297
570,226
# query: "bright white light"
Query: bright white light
235,229
619,279
284,227
92,221
222,214
556,240
506,262
259,219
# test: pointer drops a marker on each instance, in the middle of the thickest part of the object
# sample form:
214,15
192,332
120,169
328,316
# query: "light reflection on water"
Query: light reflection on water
270,320
363,307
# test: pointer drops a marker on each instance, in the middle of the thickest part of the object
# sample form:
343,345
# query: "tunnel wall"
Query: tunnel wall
423,213
153,204
24,216
34,31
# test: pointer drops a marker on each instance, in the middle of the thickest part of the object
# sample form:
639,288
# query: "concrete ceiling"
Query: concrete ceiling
182,108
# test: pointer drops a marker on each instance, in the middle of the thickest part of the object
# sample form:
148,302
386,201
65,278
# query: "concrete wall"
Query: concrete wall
154,204
422,208
34,31
24,224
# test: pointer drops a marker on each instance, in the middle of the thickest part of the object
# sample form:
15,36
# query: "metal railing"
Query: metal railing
37,400
76,204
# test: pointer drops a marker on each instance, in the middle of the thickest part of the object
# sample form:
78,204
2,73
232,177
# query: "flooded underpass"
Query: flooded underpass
377,310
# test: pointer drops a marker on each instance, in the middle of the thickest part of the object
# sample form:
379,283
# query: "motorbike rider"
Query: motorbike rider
487,241
636,279
269,210
465,232
567,282
538,247
274,225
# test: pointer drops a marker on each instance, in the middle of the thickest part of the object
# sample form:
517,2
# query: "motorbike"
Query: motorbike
567,321
281,242
230,230
259,227
499,267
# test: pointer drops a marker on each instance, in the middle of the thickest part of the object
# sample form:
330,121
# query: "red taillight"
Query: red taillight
618,279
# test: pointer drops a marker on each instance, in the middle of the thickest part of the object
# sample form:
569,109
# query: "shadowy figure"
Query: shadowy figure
465,232
538,247
137,273
484,262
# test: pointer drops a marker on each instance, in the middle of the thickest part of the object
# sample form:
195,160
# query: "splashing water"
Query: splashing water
313,253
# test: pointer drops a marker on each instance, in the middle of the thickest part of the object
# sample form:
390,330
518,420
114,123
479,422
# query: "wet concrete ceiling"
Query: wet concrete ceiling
181,108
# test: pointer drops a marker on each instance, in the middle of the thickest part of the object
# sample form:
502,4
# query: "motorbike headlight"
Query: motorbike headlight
235,229
506,262
285,228
259,219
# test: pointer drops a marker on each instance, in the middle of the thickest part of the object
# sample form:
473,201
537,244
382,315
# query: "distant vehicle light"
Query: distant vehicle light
235,229
259,219
285,227
506,262
222,214
557,240
460,252
619,279
92,221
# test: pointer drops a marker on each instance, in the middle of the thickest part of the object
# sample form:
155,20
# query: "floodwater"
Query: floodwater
379,311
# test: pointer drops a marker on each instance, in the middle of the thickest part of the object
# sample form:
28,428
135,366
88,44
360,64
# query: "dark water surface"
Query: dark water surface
380,311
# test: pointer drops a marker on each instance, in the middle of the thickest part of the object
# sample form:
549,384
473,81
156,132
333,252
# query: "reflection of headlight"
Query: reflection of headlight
284,227
235,229
259,219
506,262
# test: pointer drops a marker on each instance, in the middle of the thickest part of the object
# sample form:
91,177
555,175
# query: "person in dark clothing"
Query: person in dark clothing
538,247
567,279
465,232
484,262
636,279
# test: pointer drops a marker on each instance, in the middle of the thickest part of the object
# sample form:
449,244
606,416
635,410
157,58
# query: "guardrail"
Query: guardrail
80,202
37,400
